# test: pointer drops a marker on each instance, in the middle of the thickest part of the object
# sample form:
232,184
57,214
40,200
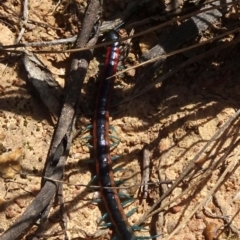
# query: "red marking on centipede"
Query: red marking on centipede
102,145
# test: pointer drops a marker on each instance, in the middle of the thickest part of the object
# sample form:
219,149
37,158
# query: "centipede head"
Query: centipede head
112,35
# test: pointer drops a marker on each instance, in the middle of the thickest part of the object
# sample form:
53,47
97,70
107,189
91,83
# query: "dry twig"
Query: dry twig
62,139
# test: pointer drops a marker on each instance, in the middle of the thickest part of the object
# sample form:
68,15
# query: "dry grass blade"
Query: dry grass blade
177,69
182,50
186,171
142,33
229,168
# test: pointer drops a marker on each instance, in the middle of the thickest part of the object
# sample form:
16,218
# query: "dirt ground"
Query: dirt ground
173,120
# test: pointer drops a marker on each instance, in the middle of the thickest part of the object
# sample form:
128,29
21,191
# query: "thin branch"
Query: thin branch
173,71
188,169
62,139
210,193
168,23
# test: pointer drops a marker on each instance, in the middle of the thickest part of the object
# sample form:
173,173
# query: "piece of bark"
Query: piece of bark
44,84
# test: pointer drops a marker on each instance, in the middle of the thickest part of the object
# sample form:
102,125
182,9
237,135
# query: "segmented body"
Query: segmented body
102,146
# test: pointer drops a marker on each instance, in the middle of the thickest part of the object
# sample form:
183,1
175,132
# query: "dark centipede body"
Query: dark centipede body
102,145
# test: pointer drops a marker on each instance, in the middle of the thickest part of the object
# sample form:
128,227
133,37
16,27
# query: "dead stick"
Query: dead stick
55,170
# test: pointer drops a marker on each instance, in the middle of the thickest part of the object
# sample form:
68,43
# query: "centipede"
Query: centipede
101,144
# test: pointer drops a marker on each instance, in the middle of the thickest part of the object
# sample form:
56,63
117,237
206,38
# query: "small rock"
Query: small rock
176,209
2,136
20,202
10,212
10,163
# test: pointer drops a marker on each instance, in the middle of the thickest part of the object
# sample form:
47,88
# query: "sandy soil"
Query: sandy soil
174,120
